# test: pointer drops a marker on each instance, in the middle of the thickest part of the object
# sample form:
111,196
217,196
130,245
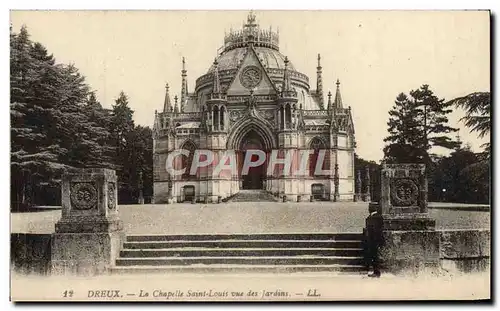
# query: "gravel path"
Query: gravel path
246,218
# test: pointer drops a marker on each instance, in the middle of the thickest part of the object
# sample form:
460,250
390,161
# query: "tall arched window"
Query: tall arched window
316,145
188,161
282,117
216,117
288,117
222,111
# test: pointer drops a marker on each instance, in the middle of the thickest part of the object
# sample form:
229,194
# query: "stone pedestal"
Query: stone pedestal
411,241
89,235
140,200
357,197
366,197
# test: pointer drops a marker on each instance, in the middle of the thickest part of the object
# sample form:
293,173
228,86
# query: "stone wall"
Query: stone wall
30,253
453,250
459,251
465,250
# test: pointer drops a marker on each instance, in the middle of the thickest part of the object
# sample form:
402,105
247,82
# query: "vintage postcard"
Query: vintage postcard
251,155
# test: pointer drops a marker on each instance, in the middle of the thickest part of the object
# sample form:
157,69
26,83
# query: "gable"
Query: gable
251,75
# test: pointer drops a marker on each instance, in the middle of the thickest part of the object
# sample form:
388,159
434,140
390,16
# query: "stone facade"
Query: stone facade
89,234
252,97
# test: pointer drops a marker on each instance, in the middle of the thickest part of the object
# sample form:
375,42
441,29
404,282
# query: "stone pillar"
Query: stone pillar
89,235
367,194
336,195
411,241
140,200
357,195
169,192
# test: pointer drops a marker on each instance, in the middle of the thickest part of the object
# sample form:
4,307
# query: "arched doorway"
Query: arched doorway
254,179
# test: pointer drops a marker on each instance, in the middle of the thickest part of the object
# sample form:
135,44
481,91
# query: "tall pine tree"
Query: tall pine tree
417,123
122,134
58,124
403,131
432,115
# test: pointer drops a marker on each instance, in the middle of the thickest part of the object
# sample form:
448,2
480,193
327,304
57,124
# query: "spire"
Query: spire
286,87
338,97
184,87
329,101
216,84
167,105
319,80
176,108
251,21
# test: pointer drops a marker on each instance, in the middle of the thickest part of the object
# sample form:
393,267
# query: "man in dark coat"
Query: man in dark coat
374,239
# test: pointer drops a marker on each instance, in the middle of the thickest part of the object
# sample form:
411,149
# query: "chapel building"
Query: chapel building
252,97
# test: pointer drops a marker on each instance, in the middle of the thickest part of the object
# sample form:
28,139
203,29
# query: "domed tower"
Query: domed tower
253,98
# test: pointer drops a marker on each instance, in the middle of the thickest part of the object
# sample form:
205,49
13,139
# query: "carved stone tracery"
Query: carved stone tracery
111,196
83,196
250,77
404,192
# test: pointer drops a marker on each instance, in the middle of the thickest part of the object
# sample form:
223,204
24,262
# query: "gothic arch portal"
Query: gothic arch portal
240,130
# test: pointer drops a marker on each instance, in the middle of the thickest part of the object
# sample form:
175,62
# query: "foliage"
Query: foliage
477,117
361,165
417,123
58,124
460,177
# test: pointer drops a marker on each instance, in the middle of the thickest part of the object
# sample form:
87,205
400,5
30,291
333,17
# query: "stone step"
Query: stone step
257,260
253,196
224,268
248,236
239,252
272,244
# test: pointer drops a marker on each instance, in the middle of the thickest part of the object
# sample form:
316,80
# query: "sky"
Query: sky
375,54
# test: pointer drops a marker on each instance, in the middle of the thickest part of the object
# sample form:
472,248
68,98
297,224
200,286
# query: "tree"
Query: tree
53,127
446,183
404,133
476,182
477,117
141,156
103,151
417,123
35,157
122,135
362,165
57,124
432,116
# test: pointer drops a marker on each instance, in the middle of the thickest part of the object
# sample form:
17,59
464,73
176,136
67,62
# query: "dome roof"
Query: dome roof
269,57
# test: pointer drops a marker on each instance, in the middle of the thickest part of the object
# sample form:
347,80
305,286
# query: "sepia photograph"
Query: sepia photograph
250,155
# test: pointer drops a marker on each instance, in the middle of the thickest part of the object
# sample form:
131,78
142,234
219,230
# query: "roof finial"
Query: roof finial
329,100
167,106
184,86
286,87
319,82
176,108
251,17
338,97
216,85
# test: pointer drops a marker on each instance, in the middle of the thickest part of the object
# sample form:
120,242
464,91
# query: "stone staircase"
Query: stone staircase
252,196
283,252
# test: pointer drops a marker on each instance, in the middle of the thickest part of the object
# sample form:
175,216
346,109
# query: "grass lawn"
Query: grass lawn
255,217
